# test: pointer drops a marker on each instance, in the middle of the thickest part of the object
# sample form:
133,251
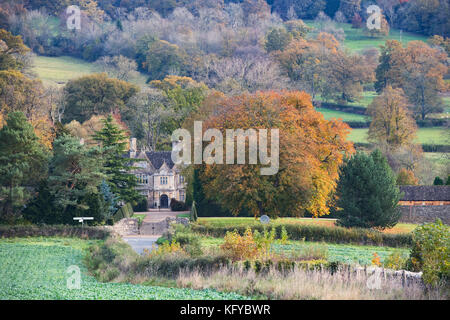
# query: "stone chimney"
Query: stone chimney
133,147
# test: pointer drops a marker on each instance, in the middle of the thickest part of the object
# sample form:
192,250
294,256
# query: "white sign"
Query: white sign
264,219
82,219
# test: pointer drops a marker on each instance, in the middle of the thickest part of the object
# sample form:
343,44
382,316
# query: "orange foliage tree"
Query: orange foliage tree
310,152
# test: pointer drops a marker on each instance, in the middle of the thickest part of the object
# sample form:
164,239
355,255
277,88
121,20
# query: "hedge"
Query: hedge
318,233
66,231
126,211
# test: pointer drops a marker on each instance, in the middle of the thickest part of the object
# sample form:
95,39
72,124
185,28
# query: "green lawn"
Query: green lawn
36,268
434,135
59,70
355,39
248,221
345,116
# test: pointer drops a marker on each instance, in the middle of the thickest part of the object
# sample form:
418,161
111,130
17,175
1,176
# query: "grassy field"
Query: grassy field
435,135
244,221
36,268
345,116
59,70
356,40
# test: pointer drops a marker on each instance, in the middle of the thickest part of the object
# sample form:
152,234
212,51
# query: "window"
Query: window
181,179
181,196
163,180
142,178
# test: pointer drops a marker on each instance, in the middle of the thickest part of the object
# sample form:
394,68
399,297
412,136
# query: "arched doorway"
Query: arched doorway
164,201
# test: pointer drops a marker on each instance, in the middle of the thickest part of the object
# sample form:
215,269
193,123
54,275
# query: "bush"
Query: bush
396,261
317,233
141,206
431,252
237,247
367,194
126,211
188,240
176,205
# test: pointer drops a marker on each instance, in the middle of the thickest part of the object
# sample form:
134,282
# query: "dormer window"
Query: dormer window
163,180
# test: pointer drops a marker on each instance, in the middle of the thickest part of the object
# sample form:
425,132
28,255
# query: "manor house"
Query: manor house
159,179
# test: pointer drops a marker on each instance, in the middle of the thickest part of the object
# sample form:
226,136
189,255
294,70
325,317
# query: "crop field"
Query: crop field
244,221
344,253
59,70
35,268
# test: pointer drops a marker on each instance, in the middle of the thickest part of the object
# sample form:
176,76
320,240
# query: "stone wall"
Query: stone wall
127,227
159,228
421,214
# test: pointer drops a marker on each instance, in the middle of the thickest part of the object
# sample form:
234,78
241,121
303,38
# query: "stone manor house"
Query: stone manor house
159,179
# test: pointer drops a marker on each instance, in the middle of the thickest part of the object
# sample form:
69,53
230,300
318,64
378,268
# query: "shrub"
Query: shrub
395,261
431,252
141,205
176,205
367,194
238,247
188,240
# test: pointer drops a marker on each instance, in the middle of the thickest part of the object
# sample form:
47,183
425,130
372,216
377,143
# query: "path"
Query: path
153,226
139,243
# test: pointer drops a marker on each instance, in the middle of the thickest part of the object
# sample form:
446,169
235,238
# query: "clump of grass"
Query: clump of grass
304,284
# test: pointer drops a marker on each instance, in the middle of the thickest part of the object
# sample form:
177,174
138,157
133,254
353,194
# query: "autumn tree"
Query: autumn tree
277,39
164,58
11,48
346,74
391,124
310,152
406,178
417,69
96,94
184,96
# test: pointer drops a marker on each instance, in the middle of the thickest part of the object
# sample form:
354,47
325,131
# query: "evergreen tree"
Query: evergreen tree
110,199
75,174
367,195
116,166
41,209
438,181
193,215
22,164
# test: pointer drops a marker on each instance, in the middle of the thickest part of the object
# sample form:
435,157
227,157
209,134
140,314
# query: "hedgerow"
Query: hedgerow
317,233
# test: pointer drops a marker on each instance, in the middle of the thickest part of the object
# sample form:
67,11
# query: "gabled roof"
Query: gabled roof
157,158
425,193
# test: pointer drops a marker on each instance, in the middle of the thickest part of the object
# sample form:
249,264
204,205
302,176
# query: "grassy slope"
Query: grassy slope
436,135
36,268
59,70
355,39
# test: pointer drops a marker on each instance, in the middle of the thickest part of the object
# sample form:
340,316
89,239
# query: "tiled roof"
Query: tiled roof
425,193
157,158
